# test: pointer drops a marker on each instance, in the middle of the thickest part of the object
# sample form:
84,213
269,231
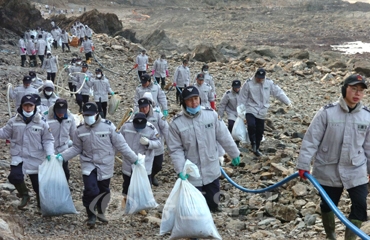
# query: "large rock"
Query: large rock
158,40
206,53
265,52
362,67
20,15
99,22
285,213
129,34
300,54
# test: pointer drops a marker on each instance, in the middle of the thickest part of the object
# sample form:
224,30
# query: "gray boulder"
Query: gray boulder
207,53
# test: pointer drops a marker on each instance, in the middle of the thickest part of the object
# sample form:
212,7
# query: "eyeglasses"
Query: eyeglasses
357,90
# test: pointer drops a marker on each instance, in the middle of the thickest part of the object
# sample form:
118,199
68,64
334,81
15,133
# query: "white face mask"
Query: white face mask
205,72
89,120
48,93
98,75
27,114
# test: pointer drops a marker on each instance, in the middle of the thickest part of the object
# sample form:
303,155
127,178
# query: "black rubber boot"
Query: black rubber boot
23,193
349,235
162,86
329,225
38,200
155,181
91,218
257,151
254,147
101,217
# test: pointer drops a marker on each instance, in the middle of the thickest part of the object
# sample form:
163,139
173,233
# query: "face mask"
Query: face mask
78,63
89,120
205,71
27,114
139,129
98,75
49,56
48,93
193,110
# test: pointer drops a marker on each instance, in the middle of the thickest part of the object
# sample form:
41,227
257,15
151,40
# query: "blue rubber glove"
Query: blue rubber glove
112,93
86,78
165,113
59,157
48,157
235,161
46,112
181,175
136,162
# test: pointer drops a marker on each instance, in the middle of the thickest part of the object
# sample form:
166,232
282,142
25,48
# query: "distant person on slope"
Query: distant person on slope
22,50
100,85
141,63
160,70
181,79
51,66
87,48
229,104
159,97
255,96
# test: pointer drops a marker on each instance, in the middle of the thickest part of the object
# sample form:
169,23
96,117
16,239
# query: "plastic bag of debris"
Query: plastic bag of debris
74,42
55,196
239,132
186,214
139,195
113,104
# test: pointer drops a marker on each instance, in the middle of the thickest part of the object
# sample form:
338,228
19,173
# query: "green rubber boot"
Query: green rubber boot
23,193
349,235
329,225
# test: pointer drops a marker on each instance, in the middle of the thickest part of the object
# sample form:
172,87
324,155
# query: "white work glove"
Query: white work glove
221,159
290,105
144,141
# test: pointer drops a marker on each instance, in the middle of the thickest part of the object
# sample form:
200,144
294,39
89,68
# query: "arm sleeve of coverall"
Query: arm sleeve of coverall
48,140
243,94
162,100
222,105
74,150
73,128
367,148
163,127
175,76
176,150
312,140
121,145
224,138
6,131
154,141
278,93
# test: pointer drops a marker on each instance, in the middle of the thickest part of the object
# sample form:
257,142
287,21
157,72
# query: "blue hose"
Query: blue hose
317,185
334,208
285,180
